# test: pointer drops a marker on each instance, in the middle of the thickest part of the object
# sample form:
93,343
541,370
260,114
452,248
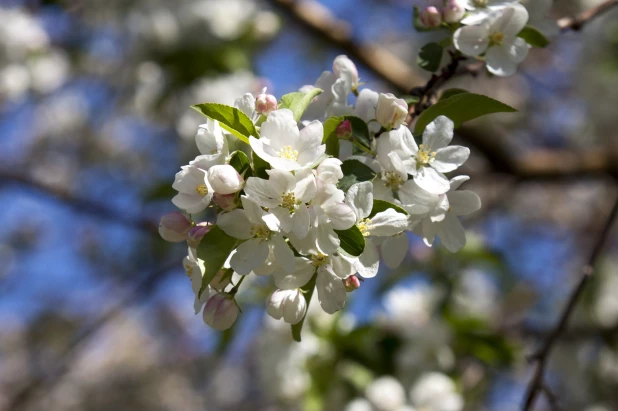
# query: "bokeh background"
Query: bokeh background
96,311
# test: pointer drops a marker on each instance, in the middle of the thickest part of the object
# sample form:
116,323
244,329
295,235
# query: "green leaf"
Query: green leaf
533,37
214,249
354,172
297,102
352,241
411,99
461,108
452,92
307,291
381,205
430,57
360,133
240,162
230,118
260,166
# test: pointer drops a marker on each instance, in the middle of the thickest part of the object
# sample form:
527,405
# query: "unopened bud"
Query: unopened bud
221,311
265,103
287,304
391,111
225,201
174,227
344,68
329,171
344,130
196,233
224,179
453,11
351,283
430,17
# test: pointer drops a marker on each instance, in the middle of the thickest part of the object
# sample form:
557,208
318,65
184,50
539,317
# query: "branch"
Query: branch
576,23
78,204
541,357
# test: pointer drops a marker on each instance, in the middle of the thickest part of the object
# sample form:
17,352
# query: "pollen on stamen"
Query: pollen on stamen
365,227
288,153
319,260
392,180
288,201
202,189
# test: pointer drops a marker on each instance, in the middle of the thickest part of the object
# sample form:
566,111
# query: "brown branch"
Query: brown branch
78,204
541,357
576,23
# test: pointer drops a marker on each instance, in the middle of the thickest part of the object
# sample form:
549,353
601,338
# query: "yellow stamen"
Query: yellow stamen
319,260
202,190
365,226
481,3
188,270
259,231
288,153
392,180
424,156
288,201
496,39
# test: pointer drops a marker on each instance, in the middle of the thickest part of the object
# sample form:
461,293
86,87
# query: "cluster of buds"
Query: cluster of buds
451,12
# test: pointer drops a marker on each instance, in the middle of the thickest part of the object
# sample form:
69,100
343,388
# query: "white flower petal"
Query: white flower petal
394,249
449,158
341,216
511,20
428,229
327,239
235,223
431,180
331,291
368,262
281,129
388,223
192,204
249,255
451,233
503,60
302,273
360,199
310,136
301,221
438,134
284,256
253,211
458,181
305,185
471,40
463,202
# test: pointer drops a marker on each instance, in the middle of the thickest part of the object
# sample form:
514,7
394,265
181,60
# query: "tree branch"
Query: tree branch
541,357
576,23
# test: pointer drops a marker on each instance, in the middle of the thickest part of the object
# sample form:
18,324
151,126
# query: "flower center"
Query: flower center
496,39
202,190
424,156
288,201
288,153
392,180
214,151
188,270
481,3
365,226
259,231
319,260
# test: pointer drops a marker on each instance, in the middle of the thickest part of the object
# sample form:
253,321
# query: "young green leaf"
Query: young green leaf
461,108
430,57
240,162
230,118
297,102
533,37
214,249
352,241
260,166
307,290
360,133
354,172
381,205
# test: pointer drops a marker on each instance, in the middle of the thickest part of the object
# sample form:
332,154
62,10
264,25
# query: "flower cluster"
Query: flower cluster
497,32
283,204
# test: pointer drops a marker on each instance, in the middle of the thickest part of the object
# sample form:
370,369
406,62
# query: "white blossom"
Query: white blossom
391,112
212,144
224,179
194,190
480,10
287,304
386,394
435,391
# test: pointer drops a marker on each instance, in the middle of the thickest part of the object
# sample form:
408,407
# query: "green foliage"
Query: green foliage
381,205
430,57
214,249
533,37
460,108
297,102
352,241
360,133
240,162
260,166
230,118
354,172
307,291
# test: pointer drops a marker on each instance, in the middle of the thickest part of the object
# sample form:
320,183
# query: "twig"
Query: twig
541,357
576,23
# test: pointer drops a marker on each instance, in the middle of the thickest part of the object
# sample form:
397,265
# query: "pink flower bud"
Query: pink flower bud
225,201
195,234
221,280
453,11
431,17
174,227
221,311
344,130
391,112
351,283
265,103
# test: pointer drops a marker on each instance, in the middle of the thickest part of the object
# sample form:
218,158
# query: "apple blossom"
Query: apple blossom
212,144
453,11
431,17
436,391
344,68
194,190
329,171
287,304
174,227
221,311
496,36
480,10
265,104
391,112
224,179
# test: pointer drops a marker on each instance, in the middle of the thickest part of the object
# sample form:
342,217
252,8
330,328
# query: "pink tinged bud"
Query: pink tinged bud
265,103
220,312
431,17
225,201
287,304
344,68
196,233
344,130
224,179
391,112
351,283
453,11
174,227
